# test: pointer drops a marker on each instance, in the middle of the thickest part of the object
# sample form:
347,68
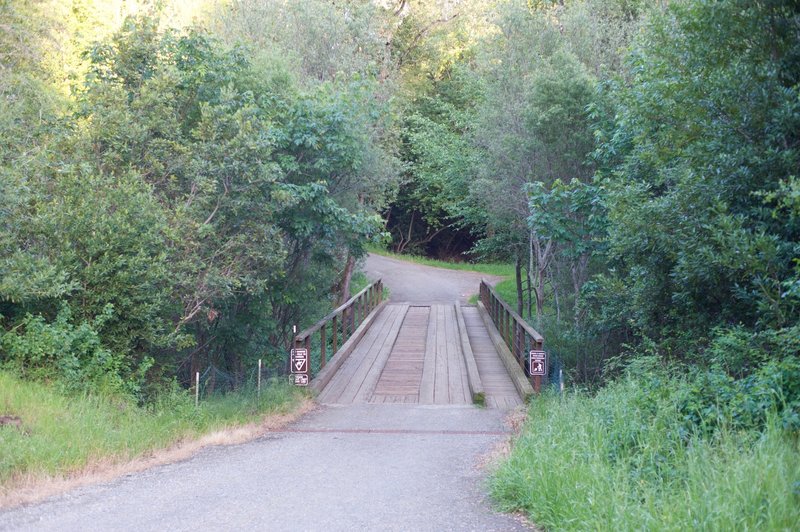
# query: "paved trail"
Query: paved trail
359,467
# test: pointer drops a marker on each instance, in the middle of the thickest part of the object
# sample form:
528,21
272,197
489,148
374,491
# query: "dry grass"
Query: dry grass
30,488
501,450
514,421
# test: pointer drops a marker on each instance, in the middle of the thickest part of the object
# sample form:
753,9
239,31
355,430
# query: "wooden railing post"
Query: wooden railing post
323,345
335,332
363,303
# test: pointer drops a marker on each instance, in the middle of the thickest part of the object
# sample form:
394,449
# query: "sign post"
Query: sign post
299,366
537,363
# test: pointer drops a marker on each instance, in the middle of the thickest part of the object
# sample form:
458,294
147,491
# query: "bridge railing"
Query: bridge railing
336,328
518,335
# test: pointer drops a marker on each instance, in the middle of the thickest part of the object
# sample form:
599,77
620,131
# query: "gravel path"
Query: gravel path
416,283
357,467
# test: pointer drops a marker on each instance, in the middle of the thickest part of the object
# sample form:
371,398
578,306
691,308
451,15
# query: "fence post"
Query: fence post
197,389
258,387
323,345
335,332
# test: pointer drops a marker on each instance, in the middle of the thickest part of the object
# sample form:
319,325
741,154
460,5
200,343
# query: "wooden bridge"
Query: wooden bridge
437,353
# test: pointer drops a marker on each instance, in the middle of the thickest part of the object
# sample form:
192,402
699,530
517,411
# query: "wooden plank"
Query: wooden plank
360,387
372,377
473,377
337,384
516,373
324,376
462,363
402,372
441,394
500,390
427,384
457,387
339,381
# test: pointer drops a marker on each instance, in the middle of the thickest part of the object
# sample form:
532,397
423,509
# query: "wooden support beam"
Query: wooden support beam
475,384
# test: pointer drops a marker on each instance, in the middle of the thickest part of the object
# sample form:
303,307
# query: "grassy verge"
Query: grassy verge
615,461
507,290
61,435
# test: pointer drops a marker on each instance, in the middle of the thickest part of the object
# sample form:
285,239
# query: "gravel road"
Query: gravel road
361,467
415,283
355,467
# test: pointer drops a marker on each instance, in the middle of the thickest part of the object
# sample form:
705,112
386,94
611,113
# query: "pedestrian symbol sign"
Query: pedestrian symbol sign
299,361
537,362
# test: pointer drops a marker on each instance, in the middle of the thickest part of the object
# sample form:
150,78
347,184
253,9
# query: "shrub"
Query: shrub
70,354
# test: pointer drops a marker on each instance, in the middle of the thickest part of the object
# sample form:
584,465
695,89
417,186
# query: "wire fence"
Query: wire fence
555,371
214,381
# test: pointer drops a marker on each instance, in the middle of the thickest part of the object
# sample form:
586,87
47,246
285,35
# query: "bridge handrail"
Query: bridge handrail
518,335
345,319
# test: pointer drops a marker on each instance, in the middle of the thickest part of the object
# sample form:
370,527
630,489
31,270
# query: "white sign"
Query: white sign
300,379
537,361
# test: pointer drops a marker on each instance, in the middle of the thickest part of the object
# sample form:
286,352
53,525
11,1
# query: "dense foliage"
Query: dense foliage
700,160
186,204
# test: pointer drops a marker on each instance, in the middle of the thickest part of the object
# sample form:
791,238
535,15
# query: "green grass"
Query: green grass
358,282
609,463
498,269
507,290
62,434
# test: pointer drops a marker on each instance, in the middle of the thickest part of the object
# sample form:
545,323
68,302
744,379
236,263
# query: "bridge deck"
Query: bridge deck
412,354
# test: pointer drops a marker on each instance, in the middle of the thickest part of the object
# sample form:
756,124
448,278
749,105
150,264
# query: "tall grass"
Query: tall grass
619,461
62,434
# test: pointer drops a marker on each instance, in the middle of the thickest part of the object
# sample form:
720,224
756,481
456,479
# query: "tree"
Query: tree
701,151
204,203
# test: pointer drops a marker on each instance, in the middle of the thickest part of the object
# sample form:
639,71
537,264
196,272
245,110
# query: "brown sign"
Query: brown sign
300,379
299,361
537,361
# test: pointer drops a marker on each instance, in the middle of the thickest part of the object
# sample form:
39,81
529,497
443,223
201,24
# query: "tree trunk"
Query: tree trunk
529,274
557,301
518,276
579,272
347,275
543,256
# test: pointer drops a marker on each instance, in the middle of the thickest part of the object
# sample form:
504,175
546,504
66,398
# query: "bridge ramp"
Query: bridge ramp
412,354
